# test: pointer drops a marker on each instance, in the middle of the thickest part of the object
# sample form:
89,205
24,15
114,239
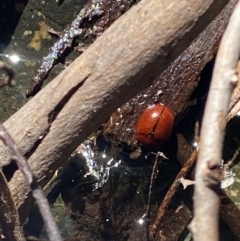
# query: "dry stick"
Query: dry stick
90,10
52,229
206,200
172,190
159,157
125,59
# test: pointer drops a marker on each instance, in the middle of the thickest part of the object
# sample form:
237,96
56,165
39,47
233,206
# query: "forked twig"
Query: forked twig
172,190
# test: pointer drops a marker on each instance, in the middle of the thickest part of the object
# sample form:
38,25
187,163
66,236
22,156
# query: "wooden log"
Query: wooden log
123,61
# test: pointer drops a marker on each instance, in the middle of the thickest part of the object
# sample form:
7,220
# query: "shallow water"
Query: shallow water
24,34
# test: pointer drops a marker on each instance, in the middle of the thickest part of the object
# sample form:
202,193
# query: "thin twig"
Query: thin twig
37,192
22,164
10,227
159,157
90,10
172,190
206,200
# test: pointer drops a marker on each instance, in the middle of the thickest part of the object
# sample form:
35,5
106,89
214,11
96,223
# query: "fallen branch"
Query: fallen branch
208,172
159,157
125,59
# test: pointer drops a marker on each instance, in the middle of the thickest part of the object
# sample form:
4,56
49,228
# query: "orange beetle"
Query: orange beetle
155,125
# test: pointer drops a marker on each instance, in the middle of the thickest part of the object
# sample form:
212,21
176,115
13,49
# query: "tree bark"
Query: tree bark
123,61
174,86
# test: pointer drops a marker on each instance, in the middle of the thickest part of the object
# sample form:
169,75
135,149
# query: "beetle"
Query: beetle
155,125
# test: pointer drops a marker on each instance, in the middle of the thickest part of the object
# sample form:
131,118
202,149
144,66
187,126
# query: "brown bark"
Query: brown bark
174,86
125,59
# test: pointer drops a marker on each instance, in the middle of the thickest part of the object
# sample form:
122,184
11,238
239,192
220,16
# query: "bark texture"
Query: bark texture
124,60
174,86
